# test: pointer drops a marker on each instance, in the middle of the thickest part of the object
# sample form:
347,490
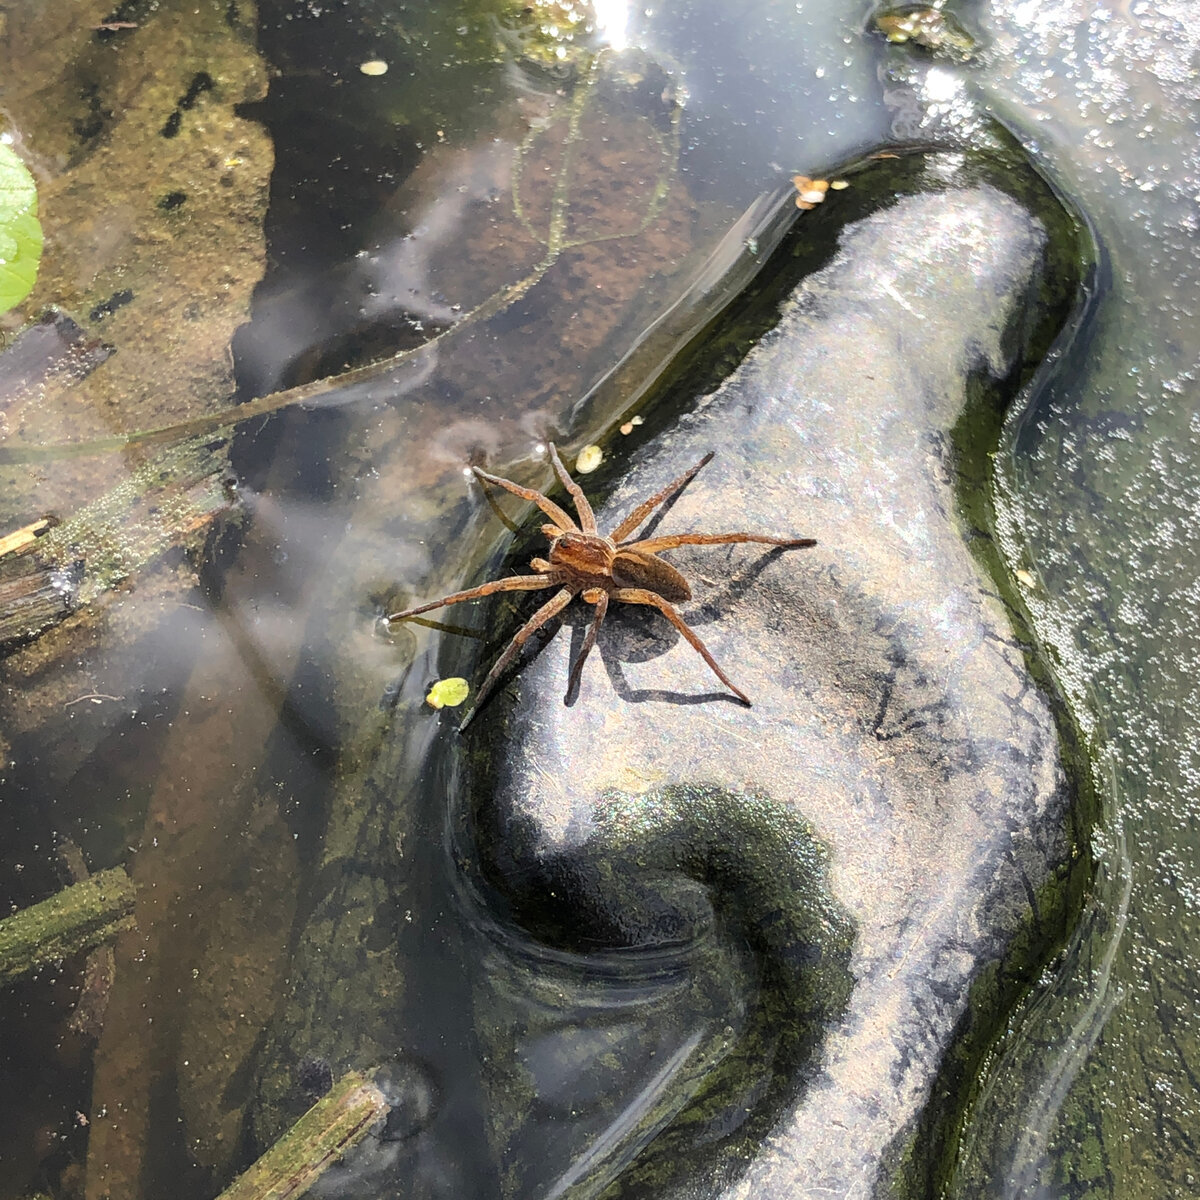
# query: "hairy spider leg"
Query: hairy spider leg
556,514
653,545
589,640
514,583
646,507
587,519
654,600
550,609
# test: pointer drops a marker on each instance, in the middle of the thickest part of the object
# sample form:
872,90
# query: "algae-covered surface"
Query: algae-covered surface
304,265
1096,1094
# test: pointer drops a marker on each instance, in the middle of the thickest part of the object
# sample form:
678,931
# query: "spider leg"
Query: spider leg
655,544
550,609
556,514
646,507
642,596
588,642
587,519
514,583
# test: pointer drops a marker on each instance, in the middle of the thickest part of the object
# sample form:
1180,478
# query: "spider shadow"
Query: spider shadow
738,583
653,635
637,634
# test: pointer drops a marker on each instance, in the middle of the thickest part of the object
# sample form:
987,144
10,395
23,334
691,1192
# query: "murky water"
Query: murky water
233,726
238,735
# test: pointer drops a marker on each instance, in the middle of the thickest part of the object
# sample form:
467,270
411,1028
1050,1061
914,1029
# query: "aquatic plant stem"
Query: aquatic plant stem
229,418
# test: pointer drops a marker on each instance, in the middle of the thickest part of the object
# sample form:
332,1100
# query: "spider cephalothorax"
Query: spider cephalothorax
584,563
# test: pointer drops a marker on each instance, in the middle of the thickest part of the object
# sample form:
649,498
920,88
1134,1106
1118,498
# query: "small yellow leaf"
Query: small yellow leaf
1026,579
448,693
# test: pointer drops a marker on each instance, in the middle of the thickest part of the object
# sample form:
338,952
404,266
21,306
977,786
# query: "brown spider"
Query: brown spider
583,563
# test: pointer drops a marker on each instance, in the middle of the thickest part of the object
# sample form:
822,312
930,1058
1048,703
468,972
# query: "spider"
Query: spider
584,563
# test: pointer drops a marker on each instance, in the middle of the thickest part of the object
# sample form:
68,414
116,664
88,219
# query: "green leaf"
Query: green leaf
20,230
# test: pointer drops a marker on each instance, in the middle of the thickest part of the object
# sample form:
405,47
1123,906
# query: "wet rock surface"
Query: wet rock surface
894,721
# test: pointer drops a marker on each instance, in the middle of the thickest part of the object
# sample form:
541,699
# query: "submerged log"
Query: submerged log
334,1125
75,919
35,592
48,569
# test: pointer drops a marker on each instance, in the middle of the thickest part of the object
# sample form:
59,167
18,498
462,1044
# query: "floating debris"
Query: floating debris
37,591
171,500
931,28
99,968
629,426
23,538
373,66
809,192
588,459
448,693
1025,578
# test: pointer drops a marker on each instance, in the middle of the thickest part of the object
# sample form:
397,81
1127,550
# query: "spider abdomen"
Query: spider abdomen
641,569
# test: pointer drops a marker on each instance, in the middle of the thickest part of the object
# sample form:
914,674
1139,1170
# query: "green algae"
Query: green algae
736,885
926,1162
